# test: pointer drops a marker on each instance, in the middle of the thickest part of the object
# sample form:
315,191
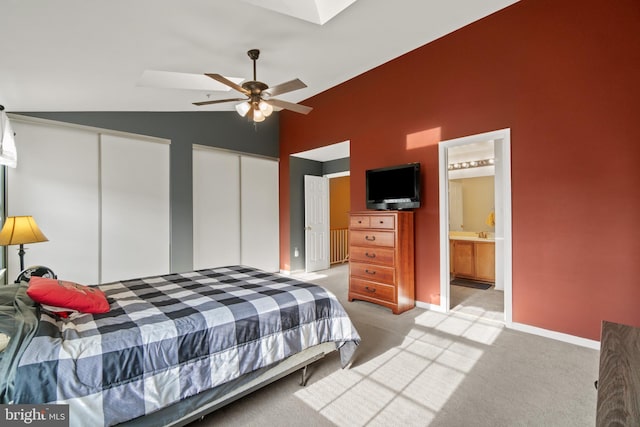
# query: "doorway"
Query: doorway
501,214
327,161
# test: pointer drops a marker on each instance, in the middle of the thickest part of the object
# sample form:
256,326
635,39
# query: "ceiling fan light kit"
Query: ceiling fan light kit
256,107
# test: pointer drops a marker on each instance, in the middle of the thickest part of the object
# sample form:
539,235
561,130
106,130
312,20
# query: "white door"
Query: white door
260,240
455,206
216,208
316,223
235,210
56,182
135,215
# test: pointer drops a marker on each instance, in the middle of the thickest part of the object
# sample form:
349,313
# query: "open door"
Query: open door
316,223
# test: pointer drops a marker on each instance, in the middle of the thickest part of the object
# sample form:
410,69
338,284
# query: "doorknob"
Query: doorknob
307,228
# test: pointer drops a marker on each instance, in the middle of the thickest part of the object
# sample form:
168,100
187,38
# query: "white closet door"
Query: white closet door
135,208
260,223
56,182
216,208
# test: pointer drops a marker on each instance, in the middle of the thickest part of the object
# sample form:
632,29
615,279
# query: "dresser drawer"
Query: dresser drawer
372,238
359,221
382,256
372,289
377,273
387,222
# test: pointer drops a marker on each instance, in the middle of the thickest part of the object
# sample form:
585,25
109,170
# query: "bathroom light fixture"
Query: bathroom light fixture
470,164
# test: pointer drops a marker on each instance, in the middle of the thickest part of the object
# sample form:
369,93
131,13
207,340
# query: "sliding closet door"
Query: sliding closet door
260,222
56,183
134,207
216,208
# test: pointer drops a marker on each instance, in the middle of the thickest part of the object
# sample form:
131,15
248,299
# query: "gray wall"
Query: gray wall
215,129
334,166
298,168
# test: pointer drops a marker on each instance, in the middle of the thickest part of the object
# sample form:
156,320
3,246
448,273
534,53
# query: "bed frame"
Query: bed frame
196,407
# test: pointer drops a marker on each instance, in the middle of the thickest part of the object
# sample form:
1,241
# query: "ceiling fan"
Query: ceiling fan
259,102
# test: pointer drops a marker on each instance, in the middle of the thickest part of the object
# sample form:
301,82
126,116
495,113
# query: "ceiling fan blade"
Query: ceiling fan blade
285,87
302,109
174,80
224,80
218,101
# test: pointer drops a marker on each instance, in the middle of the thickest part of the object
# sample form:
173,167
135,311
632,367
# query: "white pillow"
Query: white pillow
4,341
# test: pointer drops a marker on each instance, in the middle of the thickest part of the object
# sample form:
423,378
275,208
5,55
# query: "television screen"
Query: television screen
394,187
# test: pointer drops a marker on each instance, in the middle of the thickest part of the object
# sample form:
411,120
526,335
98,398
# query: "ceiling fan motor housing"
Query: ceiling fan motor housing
255,87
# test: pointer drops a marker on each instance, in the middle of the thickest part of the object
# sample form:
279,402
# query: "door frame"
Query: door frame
502,148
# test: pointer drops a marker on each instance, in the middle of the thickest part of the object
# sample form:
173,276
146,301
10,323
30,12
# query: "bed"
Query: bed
171,348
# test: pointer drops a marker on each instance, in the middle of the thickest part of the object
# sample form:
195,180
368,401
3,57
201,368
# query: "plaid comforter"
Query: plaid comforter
170,337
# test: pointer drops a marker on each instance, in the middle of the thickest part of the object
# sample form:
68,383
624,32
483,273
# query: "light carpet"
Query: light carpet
424,368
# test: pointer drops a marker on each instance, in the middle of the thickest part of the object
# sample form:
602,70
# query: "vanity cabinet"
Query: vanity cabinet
381,259
485,262
474,260
463,259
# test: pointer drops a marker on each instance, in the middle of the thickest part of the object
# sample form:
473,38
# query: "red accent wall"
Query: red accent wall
564,75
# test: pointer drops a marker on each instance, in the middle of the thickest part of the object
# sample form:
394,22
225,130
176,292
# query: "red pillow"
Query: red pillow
61,293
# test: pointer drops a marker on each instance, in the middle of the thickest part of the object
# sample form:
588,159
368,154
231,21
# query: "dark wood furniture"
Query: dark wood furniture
381,259
619,376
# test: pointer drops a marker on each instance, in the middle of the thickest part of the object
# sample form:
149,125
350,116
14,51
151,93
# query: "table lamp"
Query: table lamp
18,230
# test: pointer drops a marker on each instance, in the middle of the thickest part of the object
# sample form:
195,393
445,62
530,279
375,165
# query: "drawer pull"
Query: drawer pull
368,255
370,238
369,271
368,289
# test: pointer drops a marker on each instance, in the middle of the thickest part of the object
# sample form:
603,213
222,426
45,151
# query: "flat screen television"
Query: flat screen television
394,187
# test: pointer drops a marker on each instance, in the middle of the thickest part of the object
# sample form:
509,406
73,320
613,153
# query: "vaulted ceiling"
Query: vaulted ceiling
78,55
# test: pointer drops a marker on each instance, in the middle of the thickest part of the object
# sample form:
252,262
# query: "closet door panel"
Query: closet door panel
56,182
216,208
260,222
135,208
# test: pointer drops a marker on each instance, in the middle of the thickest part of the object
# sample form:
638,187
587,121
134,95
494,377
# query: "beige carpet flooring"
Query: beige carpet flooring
484,303
424,368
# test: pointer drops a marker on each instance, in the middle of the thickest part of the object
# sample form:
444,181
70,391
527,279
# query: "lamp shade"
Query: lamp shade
18,230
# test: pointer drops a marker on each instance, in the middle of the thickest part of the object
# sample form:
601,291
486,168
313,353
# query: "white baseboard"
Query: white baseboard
427,306
559,336
571,339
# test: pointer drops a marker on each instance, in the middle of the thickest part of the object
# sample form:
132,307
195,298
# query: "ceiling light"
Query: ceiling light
243,108
266,108
258,115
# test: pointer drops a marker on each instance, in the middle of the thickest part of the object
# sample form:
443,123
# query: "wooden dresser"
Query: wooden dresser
619,376
381,259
